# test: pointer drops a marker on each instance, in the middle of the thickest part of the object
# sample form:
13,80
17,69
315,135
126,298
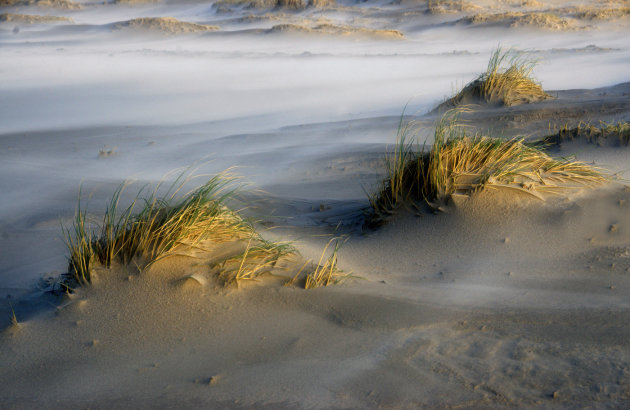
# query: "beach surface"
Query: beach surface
499,299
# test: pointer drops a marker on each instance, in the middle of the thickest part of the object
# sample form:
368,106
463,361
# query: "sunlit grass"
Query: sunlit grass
325,272
155,226
507,81
606,134
461,163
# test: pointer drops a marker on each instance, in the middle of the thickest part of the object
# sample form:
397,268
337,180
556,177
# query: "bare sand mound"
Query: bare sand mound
32,19
59,4
338,30
169,25
548,21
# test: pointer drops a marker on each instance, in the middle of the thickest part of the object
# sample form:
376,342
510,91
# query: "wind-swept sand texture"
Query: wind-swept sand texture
495,298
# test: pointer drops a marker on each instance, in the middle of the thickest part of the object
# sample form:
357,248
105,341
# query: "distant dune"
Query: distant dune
60,4
337,30
548,21
168,25
32,19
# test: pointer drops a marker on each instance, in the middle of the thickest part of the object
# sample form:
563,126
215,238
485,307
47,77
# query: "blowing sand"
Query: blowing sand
498,300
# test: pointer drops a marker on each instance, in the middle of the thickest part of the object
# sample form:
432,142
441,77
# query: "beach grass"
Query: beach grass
459,163
259,257
155,226
606,134
325,272
14,320
507,81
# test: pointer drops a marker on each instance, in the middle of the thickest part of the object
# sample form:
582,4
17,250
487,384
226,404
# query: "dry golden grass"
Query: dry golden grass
458,163
168,25
337,30
507,81
605,13
157,226
606,134
326,272
154,227
259,257
543,20
14,321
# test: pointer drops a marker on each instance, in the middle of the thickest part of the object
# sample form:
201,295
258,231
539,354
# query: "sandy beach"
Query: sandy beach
491,295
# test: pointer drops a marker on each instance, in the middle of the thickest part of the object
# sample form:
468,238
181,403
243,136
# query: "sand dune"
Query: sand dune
59,4
336,30
168,25
451,6
274,4
32,19
496,290
547,21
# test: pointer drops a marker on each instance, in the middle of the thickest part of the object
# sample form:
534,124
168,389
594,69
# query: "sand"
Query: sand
501,300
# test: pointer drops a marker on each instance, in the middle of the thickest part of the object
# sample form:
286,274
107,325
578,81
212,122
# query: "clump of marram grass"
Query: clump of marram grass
606,134
156,226
260,256
507,81
458,163
326,272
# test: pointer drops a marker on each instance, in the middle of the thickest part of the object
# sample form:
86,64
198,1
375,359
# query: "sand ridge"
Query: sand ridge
32,19
168,25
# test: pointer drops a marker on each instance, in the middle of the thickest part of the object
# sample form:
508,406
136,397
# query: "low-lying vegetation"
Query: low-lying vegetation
168,25
544,20
458,163
507,81
156,226
606,134
326,272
